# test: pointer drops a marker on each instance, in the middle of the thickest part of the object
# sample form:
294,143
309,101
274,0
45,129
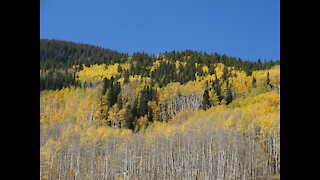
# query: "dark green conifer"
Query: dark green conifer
206,101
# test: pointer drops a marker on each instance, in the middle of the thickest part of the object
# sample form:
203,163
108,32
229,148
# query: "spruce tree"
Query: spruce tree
229,97
143,101
206,100
269,85
119,102
110,98
105,86
254,82
224,76
128,117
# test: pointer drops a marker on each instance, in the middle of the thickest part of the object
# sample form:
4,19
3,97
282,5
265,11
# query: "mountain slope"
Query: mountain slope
65,52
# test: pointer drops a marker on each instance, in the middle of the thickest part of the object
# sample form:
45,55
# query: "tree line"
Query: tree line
62,55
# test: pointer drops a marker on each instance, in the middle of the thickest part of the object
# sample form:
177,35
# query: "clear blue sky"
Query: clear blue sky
249,29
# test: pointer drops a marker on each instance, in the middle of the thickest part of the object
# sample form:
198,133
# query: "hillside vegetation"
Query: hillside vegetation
177,115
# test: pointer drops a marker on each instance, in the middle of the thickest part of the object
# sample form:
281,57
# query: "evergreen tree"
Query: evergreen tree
217,88
229,97
110,98
119,69
105,86
117,89
269,85
150,114
259,64
206,100
143,101
254,82
119,102
129,117
134,110
224,76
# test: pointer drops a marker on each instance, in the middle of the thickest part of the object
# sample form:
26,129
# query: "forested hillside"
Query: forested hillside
175,115
58,57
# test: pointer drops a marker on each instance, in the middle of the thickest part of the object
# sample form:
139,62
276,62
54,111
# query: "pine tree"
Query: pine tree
119,102
134,111
143,101
128,117
259,64
105,86
229,97
119,69
217,88
254,82
117,90
206,101
110,97
224,76
269,85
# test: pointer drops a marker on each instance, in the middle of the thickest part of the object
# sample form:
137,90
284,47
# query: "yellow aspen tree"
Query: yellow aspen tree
141,124
155,110
214,99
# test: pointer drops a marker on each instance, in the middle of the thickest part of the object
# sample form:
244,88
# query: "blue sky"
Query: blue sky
249,29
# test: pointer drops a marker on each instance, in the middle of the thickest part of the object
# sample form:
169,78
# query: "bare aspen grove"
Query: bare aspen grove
216,126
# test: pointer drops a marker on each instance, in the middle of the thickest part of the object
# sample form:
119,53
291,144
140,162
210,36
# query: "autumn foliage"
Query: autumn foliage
222,124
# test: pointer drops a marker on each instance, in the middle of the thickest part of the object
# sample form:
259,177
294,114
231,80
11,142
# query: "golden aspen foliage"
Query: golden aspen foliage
156,124
125,66
224,87
181,116
141,124
205,78
184,63
274,75
76,66
169,91
157,64
177,65
160,128
205,69
229,123
121,116
241,84
69,104
214,100
155,110
117,116
49,155
96,73
219,69
193,87
77,141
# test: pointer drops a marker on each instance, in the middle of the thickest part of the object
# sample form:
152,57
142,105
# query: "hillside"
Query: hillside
58,57
59,53
177,115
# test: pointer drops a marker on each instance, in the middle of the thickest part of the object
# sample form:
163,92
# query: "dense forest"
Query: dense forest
175,115
58,57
